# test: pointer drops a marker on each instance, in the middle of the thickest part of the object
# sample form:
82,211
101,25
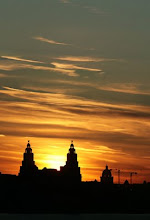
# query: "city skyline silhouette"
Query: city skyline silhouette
64,191
75,106
81,75
29,168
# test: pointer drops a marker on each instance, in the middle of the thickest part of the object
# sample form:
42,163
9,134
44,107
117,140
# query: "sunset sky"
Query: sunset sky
76,70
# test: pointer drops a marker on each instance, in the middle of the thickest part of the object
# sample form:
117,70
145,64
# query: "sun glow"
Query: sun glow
55,161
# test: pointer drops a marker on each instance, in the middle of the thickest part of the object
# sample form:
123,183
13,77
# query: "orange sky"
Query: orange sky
103,133
51,153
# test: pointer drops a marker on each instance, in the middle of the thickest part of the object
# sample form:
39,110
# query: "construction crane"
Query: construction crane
131,174
118,172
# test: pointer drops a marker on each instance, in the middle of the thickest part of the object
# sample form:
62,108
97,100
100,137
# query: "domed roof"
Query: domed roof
28,149
28,145
72,147
106,172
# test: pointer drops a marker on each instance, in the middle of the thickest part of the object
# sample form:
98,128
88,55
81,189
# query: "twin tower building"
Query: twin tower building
68,173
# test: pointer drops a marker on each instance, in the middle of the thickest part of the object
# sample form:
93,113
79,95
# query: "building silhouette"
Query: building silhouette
71,171
68,173
53,191
106,177
28,167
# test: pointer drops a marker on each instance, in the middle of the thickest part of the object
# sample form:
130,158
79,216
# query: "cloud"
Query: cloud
2,75
71,66
50,41
7,76
74,105
129,88
20,59
91,9
60,43
95,10
101,130
85,59
7,66
65,1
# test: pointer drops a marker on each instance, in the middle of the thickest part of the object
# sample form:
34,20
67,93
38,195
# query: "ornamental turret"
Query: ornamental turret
71,171
28,167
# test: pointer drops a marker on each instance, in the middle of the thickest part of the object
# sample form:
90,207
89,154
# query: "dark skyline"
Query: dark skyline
76,69
69,173
53,191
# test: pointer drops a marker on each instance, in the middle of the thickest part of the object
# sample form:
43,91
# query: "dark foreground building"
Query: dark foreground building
69,173
52,191
28,167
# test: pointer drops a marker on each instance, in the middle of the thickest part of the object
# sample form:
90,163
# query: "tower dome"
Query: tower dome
106,177
72,149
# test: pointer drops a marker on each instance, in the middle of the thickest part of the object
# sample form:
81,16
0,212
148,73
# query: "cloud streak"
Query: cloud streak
71,66
85,59
50,41
95,10
20,59
91,9
2,75
7,66
128,88
81,106
106,130
65,1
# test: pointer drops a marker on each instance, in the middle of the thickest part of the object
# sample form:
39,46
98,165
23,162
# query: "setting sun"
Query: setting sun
54,161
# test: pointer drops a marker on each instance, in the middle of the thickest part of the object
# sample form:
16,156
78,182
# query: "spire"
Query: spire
72,145
72,149
28,148
28,167
28,145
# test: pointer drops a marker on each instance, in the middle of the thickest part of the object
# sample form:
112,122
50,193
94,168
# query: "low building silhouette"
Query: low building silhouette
28,167
126,183
53,191
106,177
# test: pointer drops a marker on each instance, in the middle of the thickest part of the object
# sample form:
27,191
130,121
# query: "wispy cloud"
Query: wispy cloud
89,8
71,66
7,66
7,75
129,88
20,59
50,41
2,135
95,10
85,106
113,130
65,1
60,43
52,115
85,59
2,75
